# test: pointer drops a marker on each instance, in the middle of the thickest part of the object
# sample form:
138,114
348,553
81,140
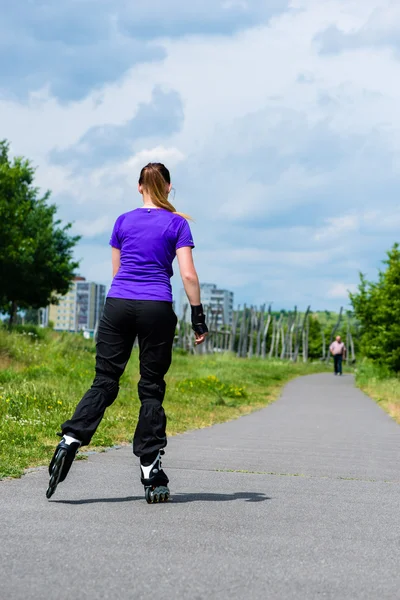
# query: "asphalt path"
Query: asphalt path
296,501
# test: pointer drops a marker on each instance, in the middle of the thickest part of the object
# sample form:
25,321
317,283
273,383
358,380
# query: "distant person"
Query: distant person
338,351
144,244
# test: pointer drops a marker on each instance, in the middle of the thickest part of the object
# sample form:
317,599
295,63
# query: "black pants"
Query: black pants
154,323
337,363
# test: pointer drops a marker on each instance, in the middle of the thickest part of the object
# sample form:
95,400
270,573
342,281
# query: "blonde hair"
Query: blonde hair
154,179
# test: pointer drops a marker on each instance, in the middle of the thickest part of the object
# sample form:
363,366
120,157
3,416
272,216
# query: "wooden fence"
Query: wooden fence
256,332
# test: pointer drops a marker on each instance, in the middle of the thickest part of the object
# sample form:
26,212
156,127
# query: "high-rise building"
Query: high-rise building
80,309
216,302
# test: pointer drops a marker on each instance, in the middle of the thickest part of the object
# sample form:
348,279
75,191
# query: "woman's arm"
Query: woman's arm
192,288
189,275
116,260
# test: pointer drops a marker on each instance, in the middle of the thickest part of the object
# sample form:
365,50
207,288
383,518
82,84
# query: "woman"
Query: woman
144,244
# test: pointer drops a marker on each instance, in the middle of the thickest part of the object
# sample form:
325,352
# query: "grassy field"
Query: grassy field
43,375
381,386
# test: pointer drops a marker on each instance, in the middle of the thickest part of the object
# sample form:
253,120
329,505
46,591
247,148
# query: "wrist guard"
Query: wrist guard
199,320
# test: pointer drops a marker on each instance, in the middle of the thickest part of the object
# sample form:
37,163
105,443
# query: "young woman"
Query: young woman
144,244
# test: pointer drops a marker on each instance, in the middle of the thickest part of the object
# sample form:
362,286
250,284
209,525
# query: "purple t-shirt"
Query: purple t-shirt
148,239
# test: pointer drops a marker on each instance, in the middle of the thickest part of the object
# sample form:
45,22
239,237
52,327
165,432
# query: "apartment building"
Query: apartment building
217,303
79,310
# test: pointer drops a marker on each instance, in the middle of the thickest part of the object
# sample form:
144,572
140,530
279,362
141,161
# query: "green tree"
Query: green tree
377,309
36,252
314,338
31,316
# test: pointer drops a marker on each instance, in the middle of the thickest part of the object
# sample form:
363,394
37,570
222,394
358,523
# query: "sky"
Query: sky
278,120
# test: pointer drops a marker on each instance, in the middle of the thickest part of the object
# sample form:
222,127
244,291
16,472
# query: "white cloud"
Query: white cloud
337,227
349,226
229,4
92,227
383,221
341,290
171,156
282,148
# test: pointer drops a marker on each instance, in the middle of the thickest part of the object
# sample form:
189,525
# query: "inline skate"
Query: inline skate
61,462
154,479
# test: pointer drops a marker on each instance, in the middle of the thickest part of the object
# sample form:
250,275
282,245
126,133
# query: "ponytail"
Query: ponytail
154,178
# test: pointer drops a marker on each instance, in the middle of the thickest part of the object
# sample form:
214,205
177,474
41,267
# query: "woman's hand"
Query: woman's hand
199,324
200,337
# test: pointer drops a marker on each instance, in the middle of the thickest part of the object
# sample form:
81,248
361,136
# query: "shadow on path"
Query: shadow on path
178,498
98,500
247,496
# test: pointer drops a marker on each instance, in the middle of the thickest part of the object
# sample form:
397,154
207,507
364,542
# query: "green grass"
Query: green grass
381,385
42,379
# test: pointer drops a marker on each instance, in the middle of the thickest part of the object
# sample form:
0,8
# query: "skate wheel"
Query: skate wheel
49,492
56,472
156,495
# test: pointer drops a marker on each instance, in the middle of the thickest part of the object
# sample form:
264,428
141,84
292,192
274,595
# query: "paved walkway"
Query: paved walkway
298,501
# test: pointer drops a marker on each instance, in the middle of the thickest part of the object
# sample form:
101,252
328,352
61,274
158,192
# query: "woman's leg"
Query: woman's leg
156,323
116,336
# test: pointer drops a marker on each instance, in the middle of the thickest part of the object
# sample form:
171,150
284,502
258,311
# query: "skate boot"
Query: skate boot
61,462
154,480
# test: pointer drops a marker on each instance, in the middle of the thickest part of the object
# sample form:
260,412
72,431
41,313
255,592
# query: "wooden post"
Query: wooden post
252,324
307,334
215,340
347,340
265,333
283,340
212,335
284,337
277,337
226,338
219,328
279,333
241,331
353,354
296,352
209,322
271,348
296,335
260,328
181,342
232,339
245,335
290,334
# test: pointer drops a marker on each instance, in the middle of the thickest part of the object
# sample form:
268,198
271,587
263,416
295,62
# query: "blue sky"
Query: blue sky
278,120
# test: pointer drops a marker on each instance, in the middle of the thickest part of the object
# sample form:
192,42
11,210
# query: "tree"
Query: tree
36,252
314,338
377,308
31,316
